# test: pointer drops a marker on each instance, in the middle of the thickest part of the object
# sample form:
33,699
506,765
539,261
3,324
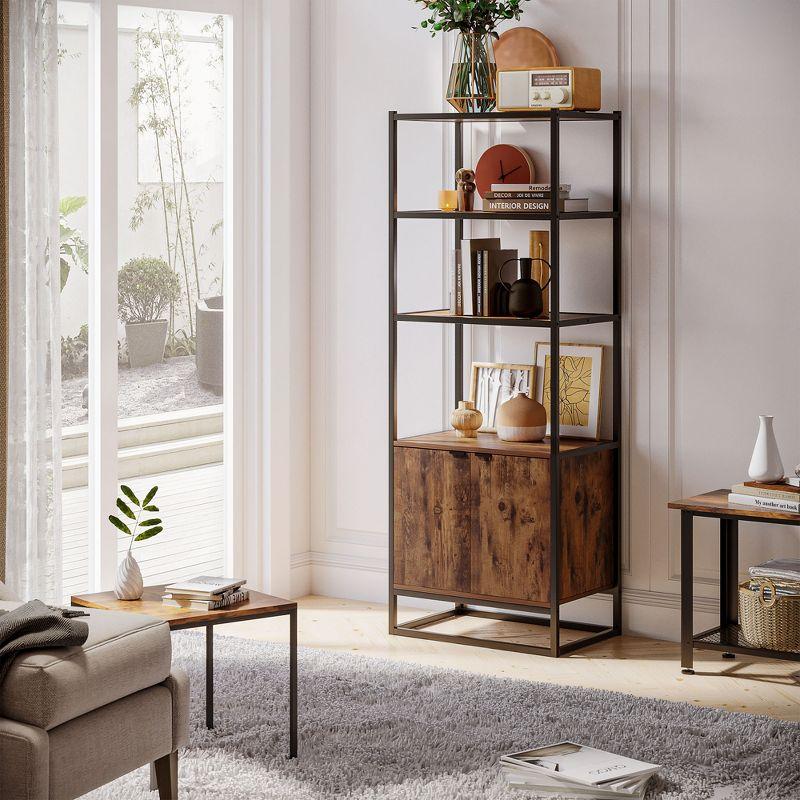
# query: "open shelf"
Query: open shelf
511,215
560,499
566,319
492,444
730,639
511,116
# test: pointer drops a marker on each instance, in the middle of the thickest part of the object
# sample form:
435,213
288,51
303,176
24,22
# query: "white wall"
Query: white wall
711,175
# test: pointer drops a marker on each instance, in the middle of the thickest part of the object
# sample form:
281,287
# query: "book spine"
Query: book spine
451,283
521,196
763,502
480,267
529,187
519,206
770,494
231,599
459,285
485,293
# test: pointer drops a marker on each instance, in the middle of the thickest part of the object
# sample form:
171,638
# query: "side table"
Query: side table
257,606
727,636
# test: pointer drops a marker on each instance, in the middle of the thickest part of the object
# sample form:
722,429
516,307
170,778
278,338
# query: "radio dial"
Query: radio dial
536,95
546,95
560,96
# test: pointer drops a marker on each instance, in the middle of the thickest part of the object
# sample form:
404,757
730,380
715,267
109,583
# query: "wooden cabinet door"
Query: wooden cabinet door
432,501
510,552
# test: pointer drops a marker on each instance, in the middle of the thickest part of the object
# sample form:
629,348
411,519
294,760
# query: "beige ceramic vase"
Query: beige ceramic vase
466,419
521,419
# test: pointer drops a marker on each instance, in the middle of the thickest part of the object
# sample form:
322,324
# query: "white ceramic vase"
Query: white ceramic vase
766,465
128,584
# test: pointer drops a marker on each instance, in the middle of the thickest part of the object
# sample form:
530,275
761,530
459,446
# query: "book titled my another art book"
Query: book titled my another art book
767,503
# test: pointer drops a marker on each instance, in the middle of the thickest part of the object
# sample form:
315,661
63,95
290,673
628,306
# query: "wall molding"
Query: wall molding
379,566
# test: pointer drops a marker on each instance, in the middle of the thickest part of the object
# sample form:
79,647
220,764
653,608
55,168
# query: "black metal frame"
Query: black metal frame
209,626
554,322
727,635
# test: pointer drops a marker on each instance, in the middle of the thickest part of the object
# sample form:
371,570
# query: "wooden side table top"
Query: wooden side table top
257,605
716,504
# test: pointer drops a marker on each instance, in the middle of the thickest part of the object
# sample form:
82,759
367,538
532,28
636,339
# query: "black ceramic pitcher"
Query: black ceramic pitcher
525,294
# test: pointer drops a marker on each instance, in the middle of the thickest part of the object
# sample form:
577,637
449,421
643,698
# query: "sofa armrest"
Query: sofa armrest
178,684
24,761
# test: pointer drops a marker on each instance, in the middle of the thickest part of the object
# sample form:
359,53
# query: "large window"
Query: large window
158,306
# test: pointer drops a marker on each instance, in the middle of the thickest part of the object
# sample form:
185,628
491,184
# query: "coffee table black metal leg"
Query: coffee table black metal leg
728,579
687,593
293,684
209,676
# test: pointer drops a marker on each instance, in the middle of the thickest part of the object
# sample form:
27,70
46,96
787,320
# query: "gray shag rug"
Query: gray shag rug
374,729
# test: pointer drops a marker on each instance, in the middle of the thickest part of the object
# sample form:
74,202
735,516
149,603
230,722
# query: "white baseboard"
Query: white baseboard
300,579
644,613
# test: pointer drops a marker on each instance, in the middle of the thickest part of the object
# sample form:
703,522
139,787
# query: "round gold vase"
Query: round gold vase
466,419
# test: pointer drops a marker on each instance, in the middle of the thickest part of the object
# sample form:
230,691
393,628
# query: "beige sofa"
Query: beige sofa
74,718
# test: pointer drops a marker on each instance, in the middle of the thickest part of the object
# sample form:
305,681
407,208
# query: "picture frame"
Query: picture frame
580,390
493,383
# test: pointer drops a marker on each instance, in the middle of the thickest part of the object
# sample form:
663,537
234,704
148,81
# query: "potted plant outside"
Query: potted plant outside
146,288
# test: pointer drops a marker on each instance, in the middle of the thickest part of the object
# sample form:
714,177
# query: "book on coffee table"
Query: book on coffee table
204,587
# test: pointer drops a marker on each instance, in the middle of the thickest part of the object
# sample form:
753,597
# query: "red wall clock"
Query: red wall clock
503,163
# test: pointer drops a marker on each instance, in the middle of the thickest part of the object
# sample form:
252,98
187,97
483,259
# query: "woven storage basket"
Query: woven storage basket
771,623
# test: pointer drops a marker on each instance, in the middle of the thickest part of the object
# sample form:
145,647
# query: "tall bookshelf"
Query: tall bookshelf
447,540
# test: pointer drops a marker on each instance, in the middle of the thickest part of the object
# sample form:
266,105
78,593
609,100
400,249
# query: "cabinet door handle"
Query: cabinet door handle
458,454
484,456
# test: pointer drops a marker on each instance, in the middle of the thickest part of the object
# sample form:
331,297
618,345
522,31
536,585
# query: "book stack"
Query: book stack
475,288
784,496
205,593
527,198
570,770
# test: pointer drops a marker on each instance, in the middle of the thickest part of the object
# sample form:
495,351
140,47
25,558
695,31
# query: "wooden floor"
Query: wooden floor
638,666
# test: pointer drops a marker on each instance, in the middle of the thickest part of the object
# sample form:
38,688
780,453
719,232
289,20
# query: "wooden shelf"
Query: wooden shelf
566,319
511,215
490,443
510,116
716,503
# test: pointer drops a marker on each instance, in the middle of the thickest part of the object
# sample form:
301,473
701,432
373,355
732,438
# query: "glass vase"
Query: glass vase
473,74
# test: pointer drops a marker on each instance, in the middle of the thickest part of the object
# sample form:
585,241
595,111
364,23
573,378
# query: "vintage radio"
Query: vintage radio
568,88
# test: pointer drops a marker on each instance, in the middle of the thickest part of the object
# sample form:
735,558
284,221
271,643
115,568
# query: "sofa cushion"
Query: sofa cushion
123,654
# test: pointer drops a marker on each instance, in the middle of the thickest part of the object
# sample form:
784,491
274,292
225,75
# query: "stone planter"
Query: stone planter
210,343
146,342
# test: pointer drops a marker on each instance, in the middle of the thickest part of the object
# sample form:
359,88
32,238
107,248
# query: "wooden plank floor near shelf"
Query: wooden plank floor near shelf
565,318
491,443
716,503
637,666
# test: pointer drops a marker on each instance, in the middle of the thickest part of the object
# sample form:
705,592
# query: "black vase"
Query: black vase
525,294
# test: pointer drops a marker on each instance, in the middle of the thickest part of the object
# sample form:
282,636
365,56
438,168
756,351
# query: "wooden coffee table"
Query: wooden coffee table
257,606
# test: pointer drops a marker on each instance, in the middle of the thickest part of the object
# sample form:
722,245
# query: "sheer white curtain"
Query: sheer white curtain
33,522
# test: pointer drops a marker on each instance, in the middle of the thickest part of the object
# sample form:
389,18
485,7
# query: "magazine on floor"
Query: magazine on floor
578,770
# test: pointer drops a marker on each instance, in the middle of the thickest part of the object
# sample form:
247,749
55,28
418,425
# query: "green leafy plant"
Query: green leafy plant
180,344
146,287
468,16
73,249
142,528
75,354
